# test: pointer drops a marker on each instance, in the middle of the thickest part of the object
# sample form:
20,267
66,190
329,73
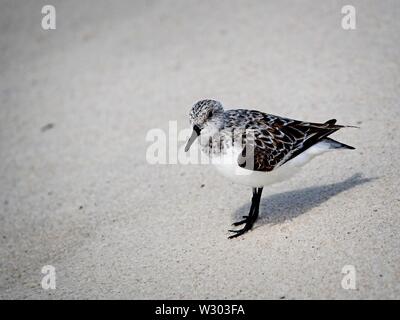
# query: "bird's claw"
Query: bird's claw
235,224
237,233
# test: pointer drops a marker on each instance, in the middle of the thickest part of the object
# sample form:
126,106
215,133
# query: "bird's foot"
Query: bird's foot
249,224
246,218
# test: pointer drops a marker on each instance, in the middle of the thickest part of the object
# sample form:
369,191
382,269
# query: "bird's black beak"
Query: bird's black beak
195,134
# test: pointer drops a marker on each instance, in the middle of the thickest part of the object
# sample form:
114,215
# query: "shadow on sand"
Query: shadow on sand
280,207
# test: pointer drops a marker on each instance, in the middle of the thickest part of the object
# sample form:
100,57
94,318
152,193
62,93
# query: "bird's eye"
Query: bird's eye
210,114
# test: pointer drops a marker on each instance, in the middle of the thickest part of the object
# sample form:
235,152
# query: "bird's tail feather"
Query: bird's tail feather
332,123
333,144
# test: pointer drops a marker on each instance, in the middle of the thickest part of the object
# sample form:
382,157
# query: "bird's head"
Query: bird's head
206,118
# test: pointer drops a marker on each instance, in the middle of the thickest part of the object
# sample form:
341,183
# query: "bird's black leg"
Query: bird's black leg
256,211
253,214
253,201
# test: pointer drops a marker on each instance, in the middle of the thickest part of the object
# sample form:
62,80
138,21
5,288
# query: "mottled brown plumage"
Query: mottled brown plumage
275,140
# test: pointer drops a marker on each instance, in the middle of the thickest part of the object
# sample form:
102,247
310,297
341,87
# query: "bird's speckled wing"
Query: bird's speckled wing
274,140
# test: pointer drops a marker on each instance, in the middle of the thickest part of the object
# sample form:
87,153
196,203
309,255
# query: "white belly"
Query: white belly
228,166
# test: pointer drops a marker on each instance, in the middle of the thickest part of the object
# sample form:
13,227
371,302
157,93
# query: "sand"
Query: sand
76,190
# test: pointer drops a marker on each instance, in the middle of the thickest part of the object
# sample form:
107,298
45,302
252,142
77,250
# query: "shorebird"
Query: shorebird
257,149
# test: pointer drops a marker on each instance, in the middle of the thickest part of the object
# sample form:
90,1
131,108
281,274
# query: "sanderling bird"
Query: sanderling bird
257,149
